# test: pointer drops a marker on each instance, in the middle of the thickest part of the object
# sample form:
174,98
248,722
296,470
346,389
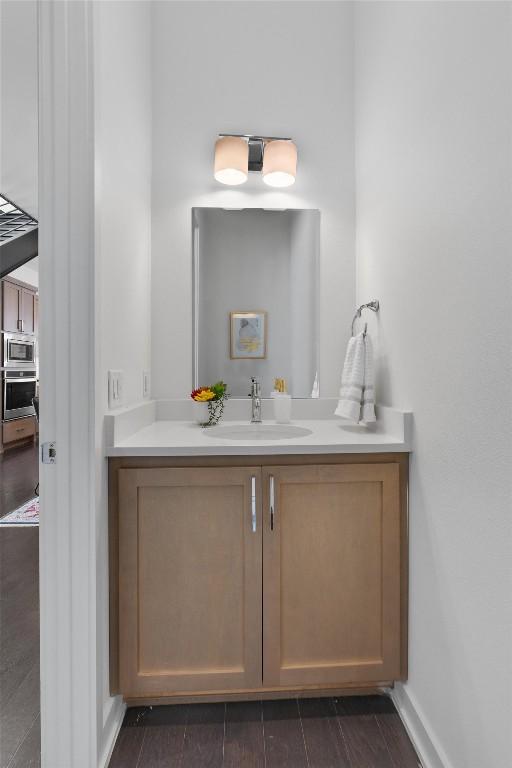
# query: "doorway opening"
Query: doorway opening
19,516
19,389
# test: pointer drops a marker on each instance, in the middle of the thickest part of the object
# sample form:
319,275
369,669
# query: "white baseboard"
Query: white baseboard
113,722
429,752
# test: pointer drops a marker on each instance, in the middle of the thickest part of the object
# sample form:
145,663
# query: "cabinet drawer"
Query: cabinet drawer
18,429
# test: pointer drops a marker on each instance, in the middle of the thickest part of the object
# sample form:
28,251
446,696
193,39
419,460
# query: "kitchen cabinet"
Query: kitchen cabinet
18,308
245,580
28,311
18,429
36,315
11,295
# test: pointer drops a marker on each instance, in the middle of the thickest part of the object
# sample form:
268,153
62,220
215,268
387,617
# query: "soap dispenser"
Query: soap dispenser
282,402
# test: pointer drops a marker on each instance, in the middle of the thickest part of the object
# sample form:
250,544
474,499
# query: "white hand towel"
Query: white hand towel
368,401
356,393
352,379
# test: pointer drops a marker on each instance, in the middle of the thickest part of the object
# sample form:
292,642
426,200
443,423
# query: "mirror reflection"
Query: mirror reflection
255,299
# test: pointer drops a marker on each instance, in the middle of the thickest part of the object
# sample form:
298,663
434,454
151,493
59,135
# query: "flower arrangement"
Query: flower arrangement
215,397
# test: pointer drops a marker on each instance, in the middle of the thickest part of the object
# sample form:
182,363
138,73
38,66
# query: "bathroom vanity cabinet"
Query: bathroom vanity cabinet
238,577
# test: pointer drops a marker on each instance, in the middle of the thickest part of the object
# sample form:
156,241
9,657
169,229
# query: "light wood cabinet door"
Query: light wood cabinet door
331,574
190,552
27,317
11,294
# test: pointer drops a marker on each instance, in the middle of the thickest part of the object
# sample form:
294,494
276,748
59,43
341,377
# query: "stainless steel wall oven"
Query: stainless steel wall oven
19,388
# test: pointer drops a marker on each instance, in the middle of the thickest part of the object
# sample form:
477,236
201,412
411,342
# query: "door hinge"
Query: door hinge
49,453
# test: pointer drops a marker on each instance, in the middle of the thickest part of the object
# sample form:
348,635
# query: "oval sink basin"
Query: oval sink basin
245,432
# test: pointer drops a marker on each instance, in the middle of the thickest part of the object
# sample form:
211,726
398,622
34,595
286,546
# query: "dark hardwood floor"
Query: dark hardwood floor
19,648
352,732
18,476
19,617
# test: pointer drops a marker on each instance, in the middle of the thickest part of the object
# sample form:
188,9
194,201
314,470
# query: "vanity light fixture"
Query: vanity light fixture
231,160
274,157
279,163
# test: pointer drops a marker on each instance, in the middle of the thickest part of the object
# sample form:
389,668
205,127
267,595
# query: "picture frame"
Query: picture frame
248,335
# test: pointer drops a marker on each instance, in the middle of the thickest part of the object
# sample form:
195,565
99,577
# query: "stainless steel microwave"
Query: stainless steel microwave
19,351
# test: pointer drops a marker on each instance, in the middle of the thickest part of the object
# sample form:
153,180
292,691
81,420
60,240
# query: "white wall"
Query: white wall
433,85
18,102
123,194
28,273
280,68
122,211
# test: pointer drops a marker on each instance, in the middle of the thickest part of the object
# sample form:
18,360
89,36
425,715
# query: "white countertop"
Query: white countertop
185,438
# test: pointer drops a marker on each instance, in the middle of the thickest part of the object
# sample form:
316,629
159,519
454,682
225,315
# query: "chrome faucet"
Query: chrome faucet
256,401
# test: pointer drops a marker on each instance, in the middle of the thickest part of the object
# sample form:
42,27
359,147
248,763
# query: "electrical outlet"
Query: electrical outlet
115,389
145,384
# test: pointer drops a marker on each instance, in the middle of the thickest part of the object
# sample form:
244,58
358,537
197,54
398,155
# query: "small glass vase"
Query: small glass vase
201,414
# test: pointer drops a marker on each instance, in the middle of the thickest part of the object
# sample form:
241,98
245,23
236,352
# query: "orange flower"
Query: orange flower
202,395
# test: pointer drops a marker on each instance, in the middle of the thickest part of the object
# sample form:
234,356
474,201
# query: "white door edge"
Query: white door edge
66,250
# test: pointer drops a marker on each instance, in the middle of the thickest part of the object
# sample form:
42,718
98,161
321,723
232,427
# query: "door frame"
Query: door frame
69,678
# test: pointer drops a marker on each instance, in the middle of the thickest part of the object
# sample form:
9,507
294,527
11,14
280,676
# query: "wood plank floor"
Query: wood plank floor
18,476
19,617
19,648
352,732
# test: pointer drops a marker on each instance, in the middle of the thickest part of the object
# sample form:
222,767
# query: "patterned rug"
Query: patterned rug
27,514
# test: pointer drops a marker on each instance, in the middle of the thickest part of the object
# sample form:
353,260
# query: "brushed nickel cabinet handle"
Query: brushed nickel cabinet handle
272,502
253,504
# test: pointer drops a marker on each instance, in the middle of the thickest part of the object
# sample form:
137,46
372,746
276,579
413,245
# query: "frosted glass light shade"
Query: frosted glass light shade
279,163
231,160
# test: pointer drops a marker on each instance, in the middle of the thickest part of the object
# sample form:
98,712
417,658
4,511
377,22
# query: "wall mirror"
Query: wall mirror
256,298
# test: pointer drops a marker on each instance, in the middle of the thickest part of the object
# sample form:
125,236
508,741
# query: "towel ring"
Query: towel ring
373,305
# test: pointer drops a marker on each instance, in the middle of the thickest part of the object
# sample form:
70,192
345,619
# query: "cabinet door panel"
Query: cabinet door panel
28,311
36,314
11,306
332,575
190,580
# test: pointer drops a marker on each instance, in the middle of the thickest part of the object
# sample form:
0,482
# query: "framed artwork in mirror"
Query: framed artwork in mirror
248,335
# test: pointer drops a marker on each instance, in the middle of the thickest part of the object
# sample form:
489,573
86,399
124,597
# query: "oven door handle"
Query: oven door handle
20,380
